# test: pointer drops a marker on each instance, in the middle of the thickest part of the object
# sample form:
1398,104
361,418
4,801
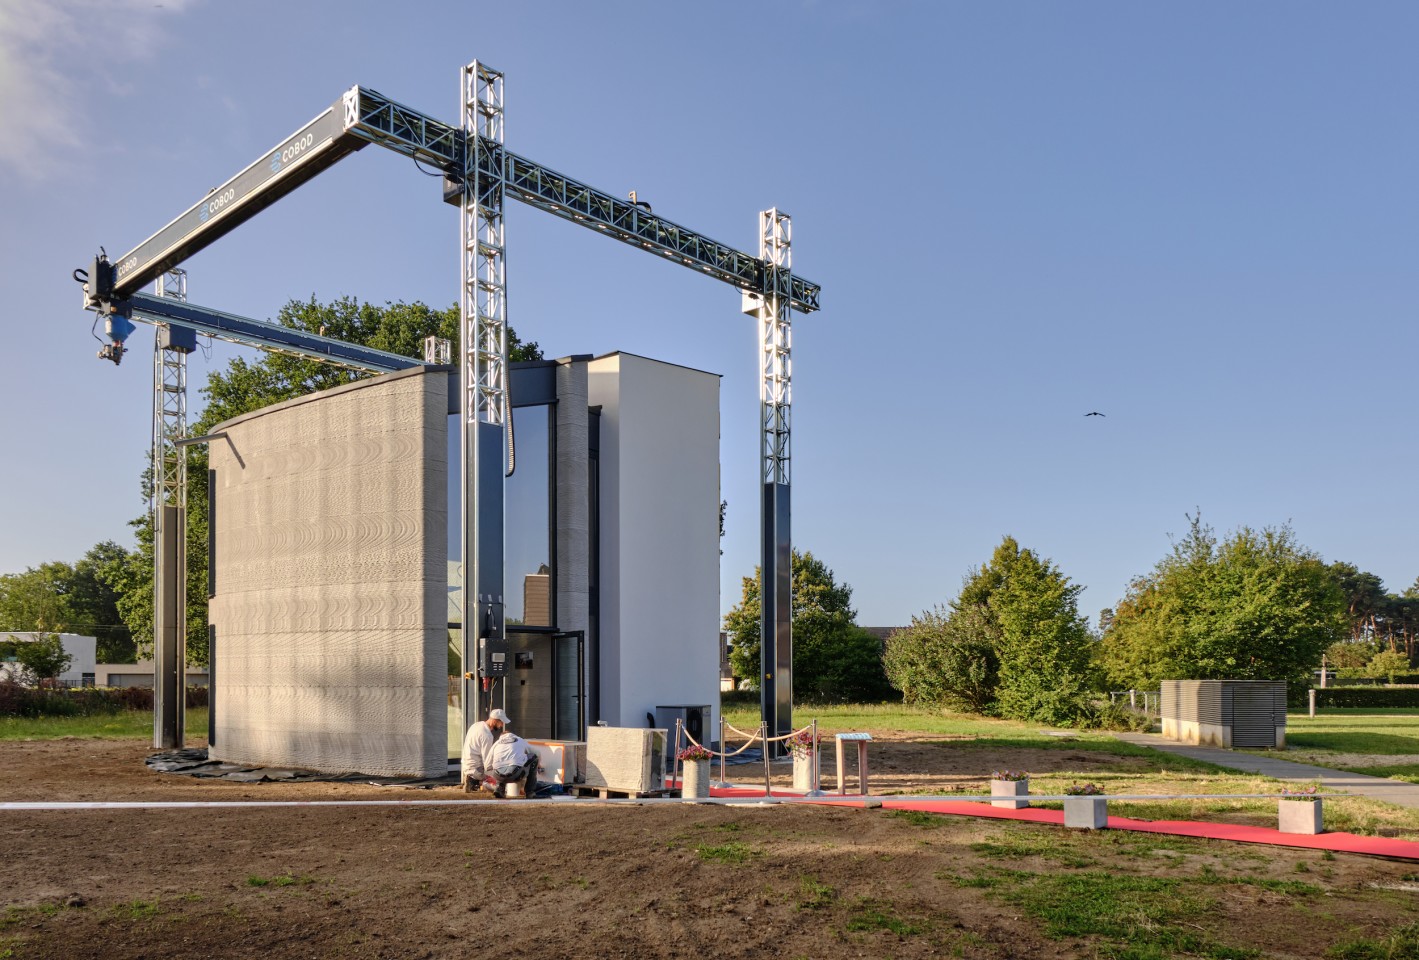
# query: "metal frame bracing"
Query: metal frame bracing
483,373
484,283
773,308
776,346
169,404
169,524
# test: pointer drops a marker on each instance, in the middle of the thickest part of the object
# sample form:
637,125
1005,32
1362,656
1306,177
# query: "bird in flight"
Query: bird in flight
1095,413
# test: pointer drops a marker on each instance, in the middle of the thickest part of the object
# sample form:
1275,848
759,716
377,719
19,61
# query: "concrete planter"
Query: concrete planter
1086,813
1299,816
1010,788
803,766
695,780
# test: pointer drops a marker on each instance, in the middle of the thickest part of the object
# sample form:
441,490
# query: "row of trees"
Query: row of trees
81,597
1256,604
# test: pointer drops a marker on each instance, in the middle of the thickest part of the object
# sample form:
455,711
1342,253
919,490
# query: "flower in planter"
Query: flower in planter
1299,793
1083,790
803,743
1013,775
694,752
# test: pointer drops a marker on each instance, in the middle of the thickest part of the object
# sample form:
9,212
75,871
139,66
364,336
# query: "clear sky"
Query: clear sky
1198,219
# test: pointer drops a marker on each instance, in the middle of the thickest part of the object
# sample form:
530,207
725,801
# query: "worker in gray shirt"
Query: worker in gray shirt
513,762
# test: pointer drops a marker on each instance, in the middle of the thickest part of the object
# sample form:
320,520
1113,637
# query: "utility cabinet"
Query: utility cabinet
625,759
1225,713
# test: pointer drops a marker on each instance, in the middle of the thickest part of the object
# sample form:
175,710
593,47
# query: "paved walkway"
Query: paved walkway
1391,791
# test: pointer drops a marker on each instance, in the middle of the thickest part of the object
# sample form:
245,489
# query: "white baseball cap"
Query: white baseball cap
499,715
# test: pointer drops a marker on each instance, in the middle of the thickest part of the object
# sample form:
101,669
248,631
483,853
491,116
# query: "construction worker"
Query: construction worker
513,762
478,749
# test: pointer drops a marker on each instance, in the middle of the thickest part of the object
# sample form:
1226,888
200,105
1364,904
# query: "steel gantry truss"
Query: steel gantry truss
170,350
480,173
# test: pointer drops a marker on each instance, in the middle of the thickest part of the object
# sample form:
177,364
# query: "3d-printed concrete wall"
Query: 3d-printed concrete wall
330,537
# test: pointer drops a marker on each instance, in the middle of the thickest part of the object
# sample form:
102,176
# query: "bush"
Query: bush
946,658
18,700
1107,715
1364,697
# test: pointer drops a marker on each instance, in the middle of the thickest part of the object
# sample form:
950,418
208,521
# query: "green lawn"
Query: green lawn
1142,770
125,725
1357,739
1389,732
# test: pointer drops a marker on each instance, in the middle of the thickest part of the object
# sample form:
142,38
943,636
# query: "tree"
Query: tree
834,660
36,599
1364,595
1045,647
1012,643
1349,654
246,386
78,598
42,658
1257,606
1386,664
946,657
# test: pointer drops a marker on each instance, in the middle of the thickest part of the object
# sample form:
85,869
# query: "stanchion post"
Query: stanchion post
723,747
675,775
817,761
764,737
1313,702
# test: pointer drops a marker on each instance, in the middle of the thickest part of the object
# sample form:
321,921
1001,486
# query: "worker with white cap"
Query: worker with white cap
478,748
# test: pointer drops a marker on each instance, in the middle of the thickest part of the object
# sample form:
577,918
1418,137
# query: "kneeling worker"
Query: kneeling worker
513,762
478,749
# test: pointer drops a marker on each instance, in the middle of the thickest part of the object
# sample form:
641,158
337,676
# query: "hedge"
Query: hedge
1367,697
18,700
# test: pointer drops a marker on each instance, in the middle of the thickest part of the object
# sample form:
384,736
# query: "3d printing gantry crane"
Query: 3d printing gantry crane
479,174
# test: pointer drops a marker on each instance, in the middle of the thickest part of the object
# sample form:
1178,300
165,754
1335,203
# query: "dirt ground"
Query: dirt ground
584,879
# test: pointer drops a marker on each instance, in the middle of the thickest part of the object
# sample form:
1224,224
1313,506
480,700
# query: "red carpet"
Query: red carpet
1337,842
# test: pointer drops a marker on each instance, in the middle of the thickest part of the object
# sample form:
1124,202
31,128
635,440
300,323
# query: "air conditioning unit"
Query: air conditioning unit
695,718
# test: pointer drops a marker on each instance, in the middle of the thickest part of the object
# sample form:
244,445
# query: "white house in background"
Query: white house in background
82,651
140,674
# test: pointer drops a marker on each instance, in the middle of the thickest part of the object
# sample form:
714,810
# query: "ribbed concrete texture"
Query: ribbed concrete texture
330,541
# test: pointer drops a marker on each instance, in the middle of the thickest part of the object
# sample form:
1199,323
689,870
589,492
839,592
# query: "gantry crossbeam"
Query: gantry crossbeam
364,116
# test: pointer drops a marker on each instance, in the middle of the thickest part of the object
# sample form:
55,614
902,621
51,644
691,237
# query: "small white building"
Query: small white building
82,651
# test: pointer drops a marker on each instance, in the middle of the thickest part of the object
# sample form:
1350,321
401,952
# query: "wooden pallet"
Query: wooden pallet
582,790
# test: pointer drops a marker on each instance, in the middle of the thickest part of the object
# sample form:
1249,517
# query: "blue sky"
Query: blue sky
1199,219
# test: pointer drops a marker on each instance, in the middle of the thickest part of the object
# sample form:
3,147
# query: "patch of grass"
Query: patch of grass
14,915
1145,918
734,852
870,915
918,818
136,910
813,895
1294,888
1057,848
1401,944
282,880
124,725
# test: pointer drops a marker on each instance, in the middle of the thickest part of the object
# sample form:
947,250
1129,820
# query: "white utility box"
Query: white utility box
559,761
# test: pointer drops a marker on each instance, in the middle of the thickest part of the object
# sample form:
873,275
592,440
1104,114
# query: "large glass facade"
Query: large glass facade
529,583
